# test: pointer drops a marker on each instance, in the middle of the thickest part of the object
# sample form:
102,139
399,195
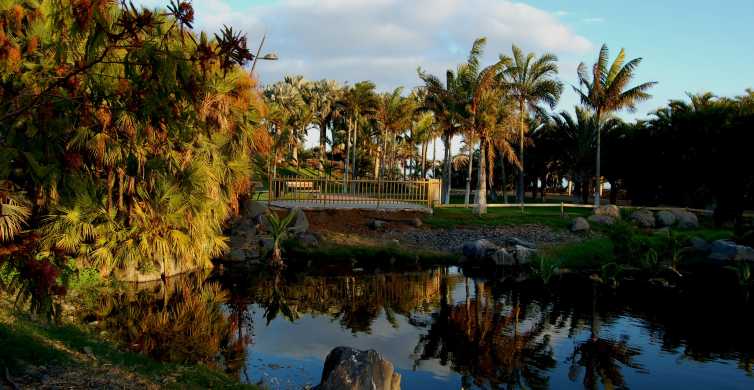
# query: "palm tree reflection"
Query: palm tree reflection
489,342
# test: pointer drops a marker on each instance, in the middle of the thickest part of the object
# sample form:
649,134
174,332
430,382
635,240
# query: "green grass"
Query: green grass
588,254
455,217
26,342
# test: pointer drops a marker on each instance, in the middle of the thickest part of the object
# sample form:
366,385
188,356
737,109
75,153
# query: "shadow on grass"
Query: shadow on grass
25,342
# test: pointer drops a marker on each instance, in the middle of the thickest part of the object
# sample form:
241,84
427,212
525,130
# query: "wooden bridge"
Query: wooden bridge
367,194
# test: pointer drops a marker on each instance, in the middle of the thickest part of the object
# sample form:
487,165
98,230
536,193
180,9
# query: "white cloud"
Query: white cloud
385,40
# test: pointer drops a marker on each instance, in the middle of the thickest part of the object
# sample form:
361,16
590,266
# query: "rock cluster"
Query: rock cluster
351,369
515,252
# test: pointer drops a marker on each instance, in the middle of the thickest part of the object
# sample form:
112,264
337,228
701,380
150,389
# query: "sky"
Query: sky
686,45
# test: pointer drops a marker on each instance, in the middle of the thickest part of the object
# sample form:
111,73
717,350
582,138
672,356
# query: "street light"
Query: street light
268,56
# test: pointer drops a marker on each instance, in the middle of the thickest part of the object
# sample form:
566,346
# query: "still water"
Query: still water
443,329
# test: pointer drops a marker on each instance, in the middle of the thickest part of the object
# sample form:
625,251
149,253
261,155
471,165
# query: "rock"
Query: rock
501,257
523,254
417,222
512,241
686,219
579,224
664,218
351,369
643,218
608,210
254,210
726,250
602,219
699,244
300,223
308,240
479,249
376,224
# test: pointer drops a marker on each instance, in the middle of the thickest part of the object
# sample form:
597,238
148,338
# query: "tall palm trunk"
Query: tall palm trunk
446,185
425,146
355,147
520,189
348,154
481,196
598,187
322,145
434,158
504,179
468,176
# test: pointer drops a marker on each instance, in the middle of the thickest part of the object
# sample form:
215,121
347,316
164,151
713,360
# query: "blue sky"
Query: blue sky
687,45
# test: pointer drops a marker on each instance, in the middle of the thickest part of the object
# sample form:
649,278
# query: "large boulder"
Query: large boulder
479,249
513,241
610,210
502,257
602,219
686,219
579,224
300,223
699,244
726,250
254,211
351,369
643,218
523,254
664,218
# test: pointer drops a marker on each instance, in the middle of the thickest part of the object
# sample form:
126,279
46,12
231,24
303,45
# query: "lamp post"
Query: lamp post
268,56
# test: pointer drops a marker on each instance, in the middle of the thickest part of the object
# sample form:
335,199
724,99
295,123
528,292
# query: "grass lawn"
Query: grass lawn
25,342
455,217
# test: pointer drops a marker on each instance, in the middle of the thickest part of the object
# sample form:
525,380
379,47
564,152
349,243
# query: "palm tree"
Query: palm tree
393,115
358,103
442,100
325,94
482,90
531,81
607,92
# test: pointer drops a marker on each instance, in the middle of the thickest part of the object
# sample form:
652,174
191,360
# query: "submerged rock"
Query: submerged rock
479,249
502,257
579,224
665,218
351,369
726,250
643,218
523,254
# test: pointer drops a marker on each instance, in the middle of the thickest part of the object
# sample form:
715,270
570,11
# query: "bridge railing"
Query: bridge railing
337,191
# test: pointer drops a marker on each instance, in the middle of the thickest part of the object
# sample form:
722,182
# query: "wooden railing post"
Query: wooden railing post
562,211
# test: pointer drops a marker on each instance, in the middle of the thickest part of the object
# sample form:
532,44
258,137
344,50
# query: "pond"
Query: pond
445,329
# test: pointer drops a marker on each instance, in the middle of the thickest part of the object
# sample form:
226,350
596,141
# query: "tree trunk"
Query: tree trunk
423,174
504,179
348,155
322,146
481,195
520,190
355,148
434,158
468,176
598,187
446,172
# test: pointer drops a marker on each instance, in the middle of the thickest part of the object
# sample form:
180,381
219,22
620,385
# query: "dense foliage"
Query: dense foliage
126,139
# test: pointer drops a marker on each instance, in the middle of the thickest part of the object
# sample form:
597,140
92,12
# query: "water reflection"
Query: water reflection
441,329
